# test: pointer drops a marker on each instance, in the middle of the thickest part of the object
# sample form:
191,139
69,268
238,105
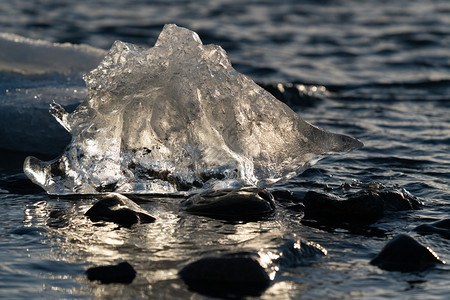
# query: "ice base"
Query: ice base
177,118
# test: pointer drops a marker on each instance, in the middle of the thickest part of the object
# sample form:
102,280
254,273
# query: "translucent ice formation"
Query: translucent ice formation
178,118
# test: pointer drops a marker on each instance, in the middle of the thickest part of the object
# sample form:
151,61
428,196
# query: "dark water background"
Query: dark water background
377,70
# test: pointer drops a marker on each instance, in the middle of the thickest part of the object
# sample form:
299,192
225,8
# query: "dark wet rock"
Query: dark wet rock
354,228
331,208
245,204
300,207
363,207
58,218
121,273
245,273
118,209
229,276
440,227
289,200
286,196
293,253
405,254
398,200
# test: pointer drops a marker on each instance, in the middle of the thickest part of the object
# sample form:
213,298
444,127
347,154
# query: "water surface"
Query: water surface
376,70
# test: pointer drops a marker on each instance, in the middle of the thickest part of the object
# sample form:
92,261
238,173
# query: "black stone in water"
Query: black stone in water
118,209
363,207
399,200
246,204
229,276
285,196
440,227
330,208
405,254
121,273
58,218
295,253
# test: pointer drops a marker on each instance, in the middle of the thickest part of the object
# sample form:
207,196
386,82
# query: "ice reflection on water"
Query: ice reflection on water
63,245
157,251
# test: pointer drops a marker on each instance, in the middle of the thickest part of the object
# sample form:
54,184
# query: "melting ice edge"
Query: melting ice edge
178,118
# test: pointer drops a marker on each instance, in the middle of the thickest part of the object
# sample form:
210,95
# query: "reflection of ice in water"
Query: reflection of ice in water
178,117
157,251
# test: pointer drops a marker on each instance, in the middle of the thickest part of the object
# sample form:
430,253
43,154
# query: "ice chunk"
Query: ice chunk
177,117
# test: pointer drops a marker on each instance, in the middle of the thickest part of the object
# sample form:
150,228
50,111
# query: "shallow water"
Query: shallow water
379,71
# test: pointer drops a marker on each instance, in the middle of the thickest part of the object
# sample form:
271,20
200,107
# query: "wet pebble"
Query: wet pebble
403,253
286,196
245,204
364,207
246,273
58,218
441,227
118,209
120,273
292,253
230,275
330,208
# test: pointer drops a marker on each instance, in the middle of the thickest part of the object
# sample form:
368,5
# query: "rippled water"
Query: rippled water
377,70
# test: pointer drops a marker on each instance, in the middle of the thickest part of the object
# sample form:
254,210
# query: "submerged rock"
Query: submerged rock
118,209
231,275
331,208
59,218
364,207
285,196
120,273
178,118
441,227
399,200
232,204
248,273
405,254
292,253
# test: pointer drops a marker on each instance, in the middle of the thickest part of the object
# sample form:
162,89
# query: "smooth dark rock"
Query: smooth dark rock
330,208
231,275
285,196
440,227
121,273
398,200
240,274
118,209
232,204
58,218
405,254
363,207
293,253
354,228
300,207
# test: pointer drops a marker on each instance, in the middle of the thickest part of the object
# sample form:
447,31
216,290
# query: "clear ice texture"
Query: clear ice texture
177,118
